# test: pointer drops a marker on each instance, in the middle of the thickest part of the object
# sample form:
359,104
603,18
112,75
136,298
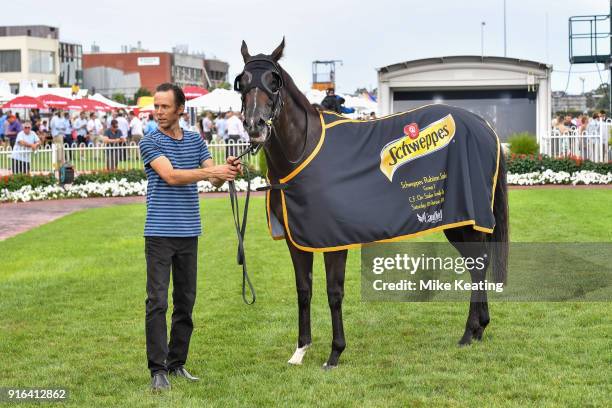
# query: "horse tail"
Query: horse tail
499,238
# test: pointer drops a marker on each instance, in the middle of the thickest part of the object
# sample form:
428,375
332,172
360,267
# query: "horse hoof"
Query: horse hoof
464,342
328,367
298,355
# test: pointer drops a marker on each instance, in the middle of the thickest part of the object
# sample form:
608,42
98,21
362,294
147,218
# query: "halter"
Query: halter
265,68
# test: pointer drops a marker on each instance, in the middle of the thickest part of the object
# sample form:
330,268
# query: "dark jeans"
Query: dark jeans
20,166
180,255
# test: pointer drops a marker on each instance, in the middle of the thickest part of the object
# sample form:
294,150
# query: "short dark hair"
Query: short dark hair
179,96
114,122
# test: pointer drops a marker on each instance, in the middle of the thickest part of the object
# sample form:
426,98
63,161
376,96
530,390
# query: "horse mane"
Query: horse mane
295,93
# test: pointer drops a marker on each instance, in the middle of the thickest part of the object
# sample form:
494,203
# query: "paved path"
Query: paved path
16,218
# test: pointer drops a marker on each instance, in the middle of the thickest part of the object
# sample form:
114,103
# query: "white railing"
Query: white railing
592,145
91,158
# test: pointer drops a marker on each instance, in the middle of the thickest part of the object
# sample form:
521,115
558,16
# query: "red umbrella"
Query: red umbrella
55,101
24,102
88,105
192,92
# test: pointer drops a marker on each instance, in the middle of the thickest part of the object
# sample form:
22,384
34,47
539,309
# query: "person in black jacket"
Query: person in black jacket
332,101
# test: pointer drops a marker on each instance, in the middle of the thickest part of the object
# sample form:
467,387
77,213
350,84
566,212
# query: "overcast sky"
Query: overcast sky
365,35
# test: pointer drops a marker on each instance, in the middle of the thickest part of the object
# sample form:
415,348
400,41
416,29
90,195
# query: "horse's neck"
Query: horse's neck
296,132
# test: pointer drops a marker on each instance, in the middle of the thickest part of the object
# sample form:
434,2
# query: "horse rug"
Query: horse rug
391,178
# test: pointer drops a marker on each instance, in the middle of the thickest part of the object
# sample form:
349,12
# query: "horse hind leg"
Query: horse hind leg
471,243
302,264
335,265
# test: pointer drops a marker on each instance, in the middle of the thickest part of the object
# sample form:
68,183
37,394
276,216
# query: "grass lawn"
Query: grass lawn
72,302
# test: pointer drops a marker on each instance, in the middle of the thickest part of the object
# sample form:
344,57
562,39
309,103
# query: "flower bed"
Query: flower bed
113,188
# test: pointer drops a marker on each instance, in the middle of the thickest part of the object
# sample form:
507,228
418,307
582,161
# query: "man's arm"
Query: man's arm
175,177
231,161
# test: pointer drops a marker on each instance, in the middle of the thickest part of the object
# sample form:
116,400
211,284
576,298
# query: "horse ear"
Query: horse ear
278,52
244,50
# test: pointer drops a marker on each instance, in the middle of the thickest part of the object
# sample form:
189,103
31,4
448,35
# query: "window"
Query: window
10,61
42,62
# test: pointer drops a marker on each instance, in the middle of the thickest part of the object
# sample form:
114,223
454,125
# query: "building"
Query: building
513,95
29,53
561,102
217,72
126,72
71,64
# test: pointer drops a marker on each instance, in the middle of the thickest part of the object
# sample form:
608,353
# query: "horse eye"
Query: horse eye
273,83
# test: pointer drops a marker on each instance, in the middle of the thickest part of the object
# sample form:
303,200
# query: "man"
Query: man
235,130
57,135
123,124
80,125
113,137
3,118
175,160
151,124
221,127
13,129
25,143
135,127
184,121
207,127
94,129
332,102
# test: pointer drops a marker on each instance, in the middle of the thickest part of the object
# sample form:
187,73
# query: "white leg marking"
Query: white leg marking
298,355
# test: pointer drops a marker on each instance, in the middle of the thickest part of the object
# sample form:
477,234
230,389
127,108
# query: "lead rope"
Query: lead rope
241,228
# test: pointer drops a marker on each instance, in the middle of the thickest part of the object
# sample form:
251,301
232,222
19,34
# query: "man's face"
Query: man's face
26,128
166,112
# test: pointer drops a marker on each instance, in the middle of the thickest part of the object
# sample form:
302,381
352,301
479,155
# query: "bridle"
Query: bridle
269,68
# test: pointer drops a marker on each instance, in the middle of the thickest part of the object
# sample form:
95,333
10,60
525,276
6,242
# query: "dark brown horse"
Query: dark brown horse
278,116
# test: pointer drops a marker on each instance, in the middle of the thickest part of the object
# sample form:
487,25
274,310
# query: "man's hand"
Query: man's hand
235,162
223,172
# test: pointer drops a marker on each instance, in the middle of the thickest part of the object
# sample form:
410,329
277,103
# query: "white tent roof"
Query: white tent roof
219,100
101,98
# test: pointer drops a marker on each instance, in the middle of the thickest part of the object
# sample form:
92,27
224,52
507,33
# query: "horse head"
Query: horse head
260,84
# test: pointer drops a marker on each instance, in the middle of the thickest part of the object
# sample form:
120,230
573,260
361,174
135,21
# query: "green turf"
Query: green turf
72,302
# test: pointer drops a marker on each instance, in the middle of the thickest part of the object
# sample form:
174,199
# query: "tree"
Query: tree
604,101
119,97
222,85
141,92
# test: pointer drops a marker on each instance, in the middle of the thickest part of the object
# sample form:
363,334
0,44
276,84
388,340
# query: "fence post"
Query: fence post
53,157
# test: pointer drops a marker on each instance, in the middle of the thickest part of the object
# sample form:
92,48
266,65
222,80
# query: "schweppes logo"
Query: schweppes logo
417,143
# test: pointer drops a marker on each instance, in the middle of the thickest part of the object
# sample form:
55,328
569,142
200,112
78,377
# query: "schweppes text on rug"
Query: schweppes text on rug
433,137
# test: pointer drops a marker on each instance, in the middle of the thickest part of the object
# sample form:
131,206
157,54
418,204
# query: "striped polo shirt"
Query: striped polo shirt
172,211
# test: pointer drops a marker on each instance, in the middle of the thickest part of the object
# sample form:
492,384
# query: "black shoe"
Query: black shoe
160,382
181,372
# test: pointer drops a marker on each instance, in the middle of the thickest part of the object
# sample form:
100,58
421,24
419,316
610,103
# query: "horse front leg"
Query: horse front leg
302,265
335,265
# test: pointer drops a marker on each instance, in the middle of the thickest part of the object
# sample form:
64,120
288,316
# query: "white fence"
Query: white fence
90,158
592,146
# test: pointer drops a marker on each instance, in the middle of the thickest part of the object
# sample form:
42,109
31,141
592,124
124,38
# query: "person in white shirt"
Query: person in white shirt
235,129
123,124
135,128
26,142
184,121
207,126
221,127
94,129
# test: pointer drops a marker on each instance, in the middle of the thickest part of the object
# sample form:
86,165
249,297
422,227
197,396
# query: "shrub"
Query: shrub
523,143
15,181
105,176
263,163
523,163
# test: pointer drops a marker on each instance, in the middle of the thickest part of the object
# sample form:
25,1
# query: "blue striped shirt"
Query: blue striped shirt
172,211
